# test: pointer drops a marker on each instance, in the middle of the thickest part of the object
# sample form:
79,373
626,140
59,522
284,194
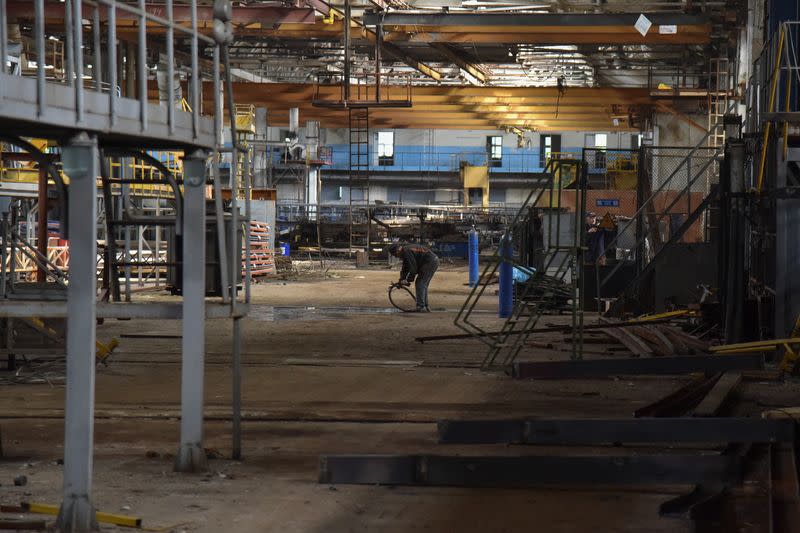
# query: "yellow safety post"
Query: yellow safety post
768,127
787,108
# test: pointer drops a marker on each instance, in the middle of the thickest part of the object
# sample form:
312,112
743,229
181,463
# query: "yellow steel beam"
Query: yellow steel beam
255,93
107,518
754,344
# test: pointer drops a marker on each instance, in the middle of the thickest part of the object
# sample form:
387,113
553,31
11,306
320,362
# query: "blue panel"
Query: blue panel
418,158
451,249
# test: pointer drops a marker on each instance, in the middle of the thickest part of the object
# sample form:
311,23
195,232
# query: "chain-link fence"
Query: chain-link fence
677,181
611,183
638,202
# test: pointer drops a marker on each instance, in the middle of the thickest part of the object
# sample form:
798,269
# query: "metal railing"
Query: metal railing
404,160
88,96
390,89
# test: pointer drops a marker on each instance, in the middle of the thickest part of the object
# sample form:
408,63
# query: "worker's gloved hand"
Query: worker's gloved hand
405,282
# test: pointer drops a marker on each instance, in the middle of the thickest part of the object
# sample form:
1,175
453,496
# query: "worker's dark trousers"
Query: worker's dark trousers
424,276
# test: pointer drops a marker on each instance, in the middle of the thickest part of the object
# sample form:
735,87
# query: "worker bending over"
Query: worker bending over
418,262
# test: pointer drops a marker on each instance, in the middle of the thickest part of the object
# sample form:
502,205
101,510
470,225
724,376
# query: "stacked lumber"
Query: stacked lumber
262,250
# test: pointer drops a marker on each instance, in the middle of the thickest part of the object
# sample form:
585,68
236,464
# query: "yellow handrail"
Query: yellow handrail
768,128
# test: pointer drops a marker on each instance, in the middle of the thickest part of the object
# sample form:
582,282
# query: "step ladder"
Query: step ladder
719,95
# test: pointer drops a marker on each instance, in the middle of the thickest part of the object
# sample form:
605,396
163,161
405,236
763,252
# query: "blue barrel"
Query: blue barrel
506,304
285,249
473,258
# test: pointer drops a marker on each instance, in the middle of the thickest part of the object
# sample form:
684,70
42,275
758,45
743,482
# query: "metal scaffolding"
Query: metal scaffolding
93,116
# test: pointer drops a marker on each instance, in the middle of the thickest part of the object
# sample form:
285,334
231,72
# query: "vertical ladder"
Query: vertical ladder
359,179
719,92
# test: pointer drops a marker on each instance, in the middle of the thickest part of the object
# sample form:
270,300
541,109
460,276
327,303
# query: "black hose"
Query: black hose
398,286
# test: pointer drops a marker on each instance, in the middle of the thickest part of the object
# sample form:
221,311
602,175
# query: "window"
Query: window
494,146
548,145
386,148
600,142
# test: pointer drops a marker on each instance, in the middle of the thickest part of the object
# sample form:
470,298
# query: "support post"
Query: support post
237,389
473,257
346,69
80,162
506,277
191,456
41,233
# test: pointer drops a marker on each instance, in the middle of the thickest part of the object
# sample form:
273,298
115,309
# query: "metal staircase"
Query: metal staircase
540,292
698,168
358,218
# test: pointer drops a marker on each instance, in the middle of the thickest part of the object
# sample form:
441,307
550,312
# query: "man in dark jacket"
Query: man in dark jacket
418,262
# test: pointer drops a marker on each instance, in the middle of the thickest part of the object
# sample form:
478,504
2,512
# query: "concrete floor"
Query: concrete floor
319,379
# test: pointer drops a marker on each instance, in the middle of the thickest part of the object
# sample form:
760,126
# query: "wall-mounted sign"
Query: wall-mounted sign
607,202
643,25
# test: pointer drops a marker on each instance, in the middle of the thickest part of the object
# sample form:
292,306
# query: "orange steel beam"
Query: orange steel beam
543,38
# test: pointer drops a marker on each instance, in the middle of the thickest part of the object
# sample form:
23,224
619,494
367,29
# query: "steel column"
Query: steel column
3,37
346,68
191,456
80,163
41,228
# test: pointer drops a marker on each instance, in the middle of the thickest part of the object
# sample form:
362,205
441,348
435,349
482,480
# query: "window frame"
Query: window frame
494,160
384,159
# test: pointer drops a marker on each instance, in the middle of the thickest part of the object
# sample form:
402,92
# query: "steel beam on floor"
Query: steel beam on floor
80,161
679,401
191,456
616,430
528,471
151,311
713,402
630,366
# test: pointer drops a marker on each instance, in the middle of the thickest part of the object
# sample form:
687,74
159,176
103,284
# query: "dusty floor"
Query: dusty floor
322,379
